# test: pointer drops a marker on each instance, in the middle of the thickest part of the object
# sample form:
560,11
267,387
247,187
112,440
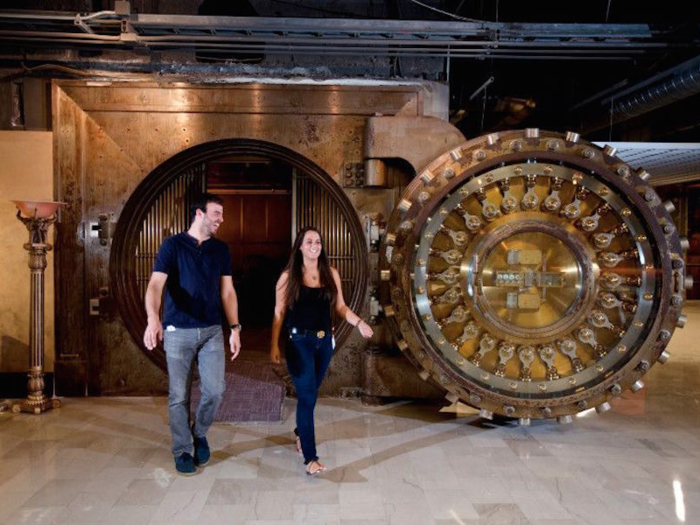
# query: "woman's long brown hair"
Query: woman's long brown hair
296,263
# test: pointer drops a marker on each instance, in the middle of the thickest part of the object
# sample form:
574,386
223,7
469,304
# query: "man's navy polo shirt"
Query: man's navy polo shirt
193,288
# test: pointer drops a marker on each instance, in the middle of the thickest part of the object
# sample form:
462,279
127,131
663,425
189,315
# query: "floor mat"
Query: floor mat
254,392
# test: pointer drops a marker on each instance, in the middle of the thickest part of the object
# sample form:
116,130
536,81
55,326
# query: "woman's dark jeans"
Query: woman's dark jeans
308,357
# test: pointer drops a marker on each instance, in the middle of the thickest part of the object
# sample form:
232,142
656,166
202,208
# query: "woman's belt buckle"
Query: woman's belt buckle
320,334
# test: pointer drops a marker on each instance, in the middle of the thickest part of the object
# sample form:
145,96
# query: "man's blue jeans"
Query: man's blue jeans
307,360
182,347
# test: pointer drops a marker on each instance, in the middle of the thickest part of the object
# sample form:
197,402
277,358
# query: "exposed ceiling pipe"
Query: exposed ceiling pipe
640,99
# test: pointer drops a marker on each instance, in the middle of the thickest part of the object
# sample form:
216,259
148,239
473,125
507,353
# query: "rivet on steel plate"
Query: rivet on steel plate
404,205
603,407
587,153
509,410
427,177
480,155
572,136
616,390
448,173
486,414
452,397
688,282
609,150
623,171
552,144
516,145
643,174
643,366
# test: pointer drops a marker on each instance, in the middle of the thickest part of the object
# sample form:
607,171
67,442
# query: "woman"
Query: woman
307,291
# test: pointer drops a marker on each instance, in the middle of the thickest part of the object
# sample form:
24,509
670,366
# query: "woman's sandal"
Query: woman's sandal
314,467
298,442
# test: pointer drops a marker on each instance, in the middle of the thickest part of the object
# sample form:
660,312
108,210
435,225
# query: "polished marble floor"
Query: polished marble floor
107,460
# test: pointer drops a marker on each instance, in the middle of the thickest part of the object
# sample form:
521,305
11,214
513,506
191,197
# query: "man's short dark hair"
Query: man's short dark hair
200,203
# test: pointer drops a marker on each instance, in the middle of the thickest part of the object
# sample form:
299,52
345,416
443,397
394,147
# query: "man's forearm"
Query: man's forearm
230,304
152,305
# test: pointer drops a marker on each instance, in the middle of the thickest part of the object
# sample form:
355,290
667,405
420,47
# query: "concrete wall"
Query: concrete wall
26,172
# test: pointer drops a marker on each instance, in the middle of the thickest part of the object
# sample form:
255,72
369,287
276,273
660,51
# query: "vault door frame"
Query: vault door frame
123,278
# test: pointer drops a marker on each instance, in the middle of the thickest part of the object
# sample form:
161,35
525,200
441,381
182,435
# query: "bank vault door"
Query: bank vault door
533,275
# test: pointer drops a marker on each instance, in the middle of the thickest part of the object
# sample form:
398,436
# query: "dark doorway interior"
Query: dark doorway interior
257,194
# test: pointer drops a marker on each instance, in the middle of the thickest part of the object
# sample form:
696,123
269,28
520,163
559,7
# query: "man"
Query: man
195,270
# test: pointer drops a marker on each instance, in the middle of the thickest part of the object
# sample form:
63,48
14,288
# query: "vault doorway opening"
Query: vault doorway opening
257,196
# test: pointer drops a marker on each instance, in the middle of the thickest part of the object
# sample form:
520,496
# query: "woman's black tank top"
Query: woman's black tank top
312,310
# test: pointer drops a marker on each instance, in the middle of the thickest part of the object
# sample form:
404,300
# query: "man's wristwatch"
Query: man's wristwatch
235,326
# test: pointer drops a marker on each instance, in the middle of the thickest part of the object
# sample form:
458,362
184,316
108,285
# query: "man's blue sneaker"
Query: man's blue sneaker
184,464
201,451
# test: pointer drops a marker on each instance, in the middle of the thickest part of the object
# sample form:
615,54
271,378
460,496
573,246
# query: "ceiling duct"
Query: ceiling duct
643,98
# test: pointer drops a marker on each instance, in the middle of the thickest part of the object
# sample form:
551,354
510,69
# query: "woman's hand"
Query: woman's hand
365,329
275,356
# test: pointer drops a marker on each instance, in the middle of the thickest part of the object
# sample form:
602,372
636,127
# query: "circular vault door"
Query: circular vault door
532,275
